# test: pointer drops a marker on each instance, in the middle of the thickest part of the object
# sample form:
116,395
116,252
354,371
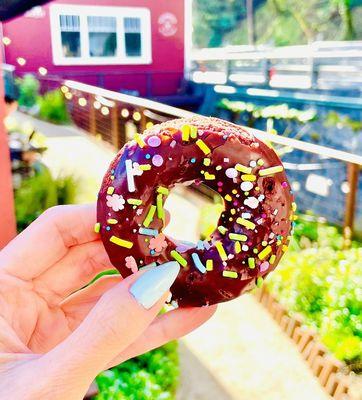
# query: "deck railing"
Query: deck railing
115,117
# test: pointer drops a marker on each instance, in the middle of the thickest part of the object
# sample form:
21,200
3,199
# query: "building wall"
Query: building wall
30,39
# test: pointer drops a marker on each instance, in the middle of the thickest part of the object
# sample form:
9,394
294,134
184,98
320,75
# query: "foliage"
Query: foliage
151,376
280,111
277,22
324,285
28,90
52,107
40,192
335,119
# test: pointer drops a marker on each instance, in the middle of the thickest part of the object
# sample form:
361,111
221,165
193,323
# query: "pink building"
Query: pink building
123,45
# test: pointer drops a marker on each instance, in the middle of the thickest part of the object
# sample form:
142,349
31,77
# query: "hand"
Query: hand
56,334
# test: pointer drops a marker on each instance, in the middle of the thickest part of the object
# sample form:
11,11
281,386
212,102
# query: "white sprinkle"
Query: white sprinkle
251,202
244,247
252,164
261,197
130,178
246,186
246,215
226,159
275,212
231,173
173,143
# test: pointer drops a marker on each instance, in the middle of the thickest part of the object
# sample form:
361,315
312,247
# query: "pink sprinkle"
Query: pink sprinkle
173,143
264,266
284,184
235,203
157,160
263,215
154,141
219,184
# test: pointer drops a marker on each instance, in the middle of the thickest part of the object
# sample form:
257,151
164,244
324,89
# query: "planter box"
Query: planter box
325,367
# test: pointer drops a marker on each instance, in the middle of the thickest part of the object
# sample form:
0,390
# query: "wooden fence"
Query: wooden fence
115,117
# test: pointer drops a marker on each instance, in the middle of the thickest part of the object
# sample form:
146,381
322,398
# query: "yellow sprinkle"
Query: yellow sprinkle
209,265
228,197
255,251
243,169
222,229
279,242
251,262
271,170
121,242
230,274
134,202
149,217
178,257
272,259
248,178
193,132
295,217
145,167
284,248
233,211
264,253
234,191
97,227
209,177
244,222
185,129
237,236
203,146
237,247
264,243
112,221
207,162
294,206
110,190
138,138
163,190
260,162
221,250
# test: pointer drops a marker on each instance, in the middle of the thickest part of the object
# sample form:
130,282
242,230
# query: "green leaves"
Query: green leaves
151,376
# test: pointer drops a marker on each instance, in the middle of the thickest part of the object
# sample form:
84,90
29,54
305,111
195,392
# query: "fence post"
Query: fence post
92,116
115,126
313,73
351,200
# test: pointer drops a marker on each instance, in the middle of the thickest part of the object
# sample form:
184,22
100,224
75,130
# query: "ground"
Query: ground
241,353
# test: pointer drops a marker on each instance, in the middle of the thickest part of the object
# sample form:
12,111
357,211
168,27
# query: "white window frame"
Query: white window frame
85,11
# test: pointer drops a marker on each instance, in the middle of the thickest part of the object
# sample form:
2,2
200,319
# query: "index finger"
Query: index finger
48,239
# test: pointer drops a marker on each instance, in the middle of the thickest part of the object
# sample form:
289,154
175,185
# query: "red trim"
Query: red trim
7,212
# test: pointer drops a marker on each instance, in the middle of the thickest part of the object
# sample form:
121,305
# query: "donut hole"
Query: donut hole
192,216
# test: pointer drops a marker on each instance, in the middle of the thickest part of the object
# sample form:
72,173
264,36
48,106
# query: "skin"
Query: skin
55,337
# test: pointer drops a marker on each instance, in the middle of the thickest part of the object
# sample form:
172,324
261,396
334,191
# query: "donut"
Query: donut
253,230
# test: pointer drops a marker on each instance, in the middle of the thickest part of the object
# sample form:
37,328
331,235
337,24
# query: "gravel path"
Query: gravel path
241,354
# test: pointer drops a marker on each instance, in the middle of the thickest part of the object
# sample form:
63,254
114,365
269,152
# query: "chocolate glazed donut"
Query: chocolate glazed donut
253,230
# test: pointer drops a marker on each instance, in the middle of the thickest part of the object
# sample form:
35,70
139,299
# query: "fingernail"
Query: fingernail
154,283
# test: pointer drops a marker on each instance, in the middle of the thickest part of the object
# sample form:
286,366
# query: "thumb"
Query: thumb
118,318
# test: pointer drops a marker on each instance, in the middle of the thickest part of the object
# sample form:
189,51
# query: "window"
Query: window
132,36
70,34
84,35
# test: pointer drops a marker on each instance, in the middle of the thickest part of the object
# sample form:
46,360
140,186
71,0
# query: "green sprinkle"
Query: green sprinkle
265,252
259,282
97,227
222,229
163,190
244,222
230,274
193,132
160,210
121,242
251,262
149,217
236,236
221,250
178,257
134,202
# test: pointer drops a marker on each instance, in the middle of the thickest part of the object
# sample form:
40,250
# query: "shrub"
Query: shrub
28,91
151,376
52,107
324,285
40,192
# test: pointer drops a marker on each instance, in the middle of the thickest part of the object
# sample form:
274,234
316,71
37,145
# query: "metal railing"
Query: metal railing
115,117
319,65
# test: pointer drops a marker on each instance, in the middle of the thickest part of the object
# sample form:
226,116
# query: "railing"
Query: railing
115,117
319,65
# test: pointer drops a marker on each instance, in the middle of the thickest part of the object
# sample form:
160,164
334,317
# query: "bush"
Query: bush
151,376
52,107
324,285
40,192
28,91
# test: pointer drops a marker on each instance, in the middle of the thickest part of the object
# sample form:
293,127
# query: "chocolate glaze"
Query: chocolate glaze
229,145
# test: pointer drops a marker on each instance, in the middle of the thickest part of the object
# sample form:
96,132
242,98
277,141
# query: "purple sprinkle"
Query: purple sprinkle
154,141
157,160
264,266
